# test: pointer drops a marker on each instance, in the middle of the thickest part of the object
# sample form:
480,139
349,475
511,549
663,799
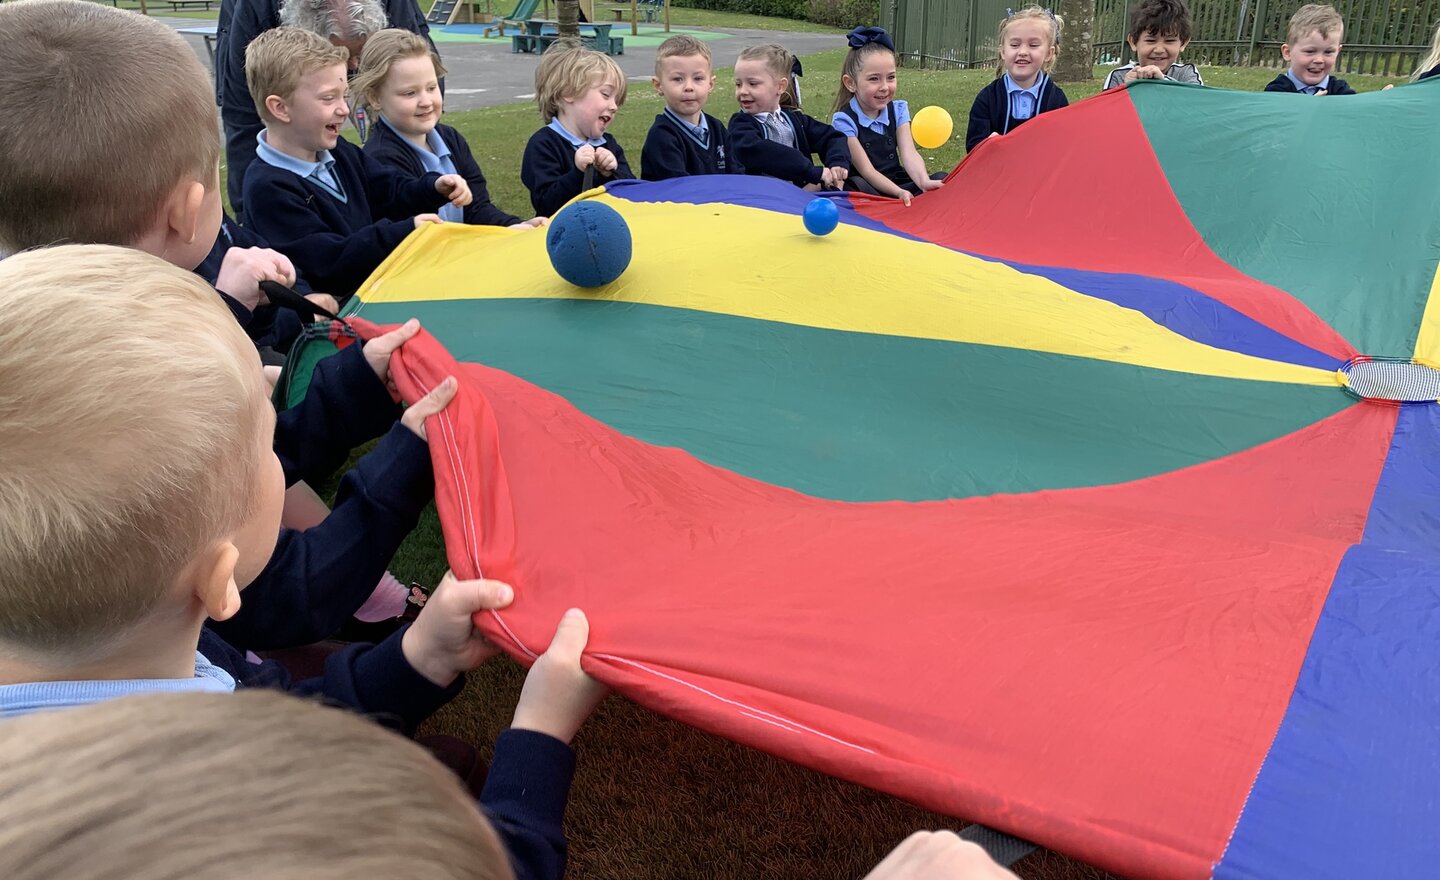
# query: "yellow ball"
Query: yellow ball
931,127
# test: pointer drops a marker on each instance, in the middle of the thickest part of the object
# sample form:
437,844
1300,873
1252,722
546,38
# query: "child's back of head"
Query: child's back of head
106,112
134,420
290,790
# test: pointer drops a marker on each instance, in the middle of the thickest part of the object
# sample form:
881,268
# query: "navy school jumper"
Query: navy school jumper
337,244
760,155
991,111
390,149
1282,83
670,151
548,170
883,150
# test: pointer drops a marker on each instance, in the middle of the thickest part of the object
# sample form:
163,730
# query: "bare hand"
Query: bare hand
422,219
242,270
1149,71
584,157
558,696
454,187
532,223
324,301
605,161
926,184
1322,92
443,641
938,855
431,404
378,351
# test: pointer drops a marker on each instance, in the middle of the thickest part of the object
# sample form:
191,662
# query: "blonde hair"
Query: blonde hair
230,787
1052,22
681,46
131,416
1430,60
106,112
276,61
854,63
780,63
569,71
381,52
1314,17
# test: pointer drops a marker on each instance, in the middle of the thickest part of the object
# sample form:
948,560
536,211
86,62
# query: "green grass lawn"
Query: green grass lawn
654,798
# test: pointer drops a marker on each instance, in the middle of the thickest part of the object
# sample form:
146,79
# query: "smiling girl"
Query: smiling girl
1022,89
400,79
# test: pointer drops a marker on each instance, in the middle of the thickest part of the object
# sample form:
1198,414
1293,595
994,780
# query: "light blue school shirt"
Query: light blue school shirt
22,699
321,171
575,140
1304,89
876,124
1024,103
436,159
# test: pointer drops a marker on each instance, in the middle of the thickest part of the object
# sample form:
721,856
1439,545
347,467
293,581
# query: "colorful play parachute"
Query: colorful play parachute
1059,501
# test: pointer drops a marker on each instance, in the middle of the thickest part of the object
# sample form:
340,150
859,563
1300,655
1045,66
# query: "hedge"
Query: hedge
839,13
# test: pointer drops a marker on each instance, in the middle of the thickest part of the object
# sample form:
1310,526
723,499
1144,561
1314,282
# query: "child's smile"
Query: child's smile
1154,50
410,97
1313,56
757,90
1025,51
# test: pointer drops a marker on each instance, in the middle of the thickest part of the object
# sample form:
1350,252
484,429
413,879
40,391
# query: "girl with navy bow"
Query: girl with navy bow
876,126
1022,90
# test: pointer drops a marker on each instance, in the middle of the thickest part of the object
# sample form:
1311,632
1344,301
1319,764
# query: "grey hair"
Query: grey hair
346,19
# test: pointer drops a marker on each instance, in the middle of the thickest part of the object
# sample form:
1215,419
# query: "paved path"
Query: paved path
483,74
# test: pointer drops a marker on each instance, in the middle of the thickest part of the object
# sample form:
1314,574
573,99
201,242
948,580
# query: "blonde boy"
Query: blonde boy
143,172
313,194
1312,46
685,140
140,495
578,91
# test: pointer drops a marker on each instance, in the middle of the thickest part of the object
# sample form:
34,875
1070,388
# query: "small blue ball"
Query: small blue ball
821,216
589,244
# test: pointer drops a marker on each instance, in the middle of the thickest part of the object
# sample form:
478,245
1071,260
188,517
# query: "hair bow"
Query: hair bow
862,36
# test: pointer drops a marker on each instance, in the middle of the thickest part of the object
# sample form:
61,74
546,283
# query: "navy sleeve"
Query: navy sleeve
481,211
346,405
663,154
982,123
1339,87
1061,100
826,141
279,208
317,579
395,194
1434,71
524,798
761,156
732,164
548,171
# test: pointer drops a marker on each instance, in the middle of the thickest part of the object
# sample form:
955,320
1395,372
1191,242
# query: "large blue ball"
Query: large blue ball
589,244
821,216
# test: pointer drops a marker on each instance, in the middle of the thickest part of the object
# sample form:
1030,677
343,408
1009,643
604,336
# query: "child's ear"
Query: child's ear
184,210
277,107
849,82
1183,44
655,83
1132,43
1285,51
214,583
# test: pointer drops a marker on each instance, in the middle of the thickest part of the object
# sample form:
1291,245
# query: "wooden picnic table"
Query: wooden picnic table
536,26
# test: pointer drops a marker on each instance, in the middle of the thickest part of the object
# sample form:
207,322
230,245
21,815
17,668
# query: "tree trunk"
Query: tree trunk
1077,43
568,13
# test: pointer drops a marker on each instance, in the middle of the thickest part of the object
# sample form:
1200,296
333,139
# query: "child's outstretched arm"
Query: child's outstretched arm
860,161
529,780
982,123
911,161
761,156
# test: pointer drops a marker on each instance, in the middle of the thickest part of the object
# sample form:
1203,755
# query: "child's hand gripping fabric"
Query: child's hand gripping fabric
938,855
558,696
834,176
443,641
242,270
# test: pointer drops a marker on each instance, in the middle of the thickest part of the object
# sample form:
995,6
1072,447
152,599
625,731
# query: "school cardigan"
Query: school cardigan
337,244
390,149
1282,83
315,580
670,151
760,155
991,110
548,170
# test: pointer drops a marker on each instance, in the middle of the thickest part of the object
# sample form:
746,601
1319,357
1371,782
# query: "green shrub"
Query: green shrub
795,9
844,13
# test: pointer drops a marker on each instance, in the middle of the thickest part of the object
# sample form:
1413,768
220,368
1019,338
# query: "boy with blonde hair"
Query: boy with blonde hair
140,495
1312,46
685,140
152,183
578,91
313,194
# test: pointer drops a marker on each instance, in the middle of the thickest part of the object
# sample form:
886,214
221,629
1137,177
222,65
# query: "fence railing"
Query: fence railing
1381,36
